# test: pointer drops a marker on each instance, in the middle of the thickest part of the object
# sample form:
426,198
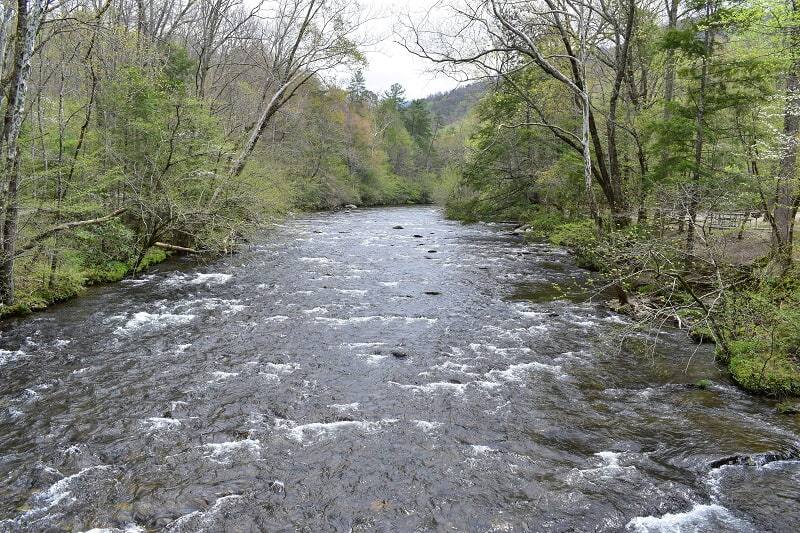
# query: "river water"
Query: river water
347,375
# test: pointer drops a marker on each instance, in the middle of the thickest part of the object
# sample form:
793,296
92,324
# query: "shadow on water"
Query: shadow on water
543,291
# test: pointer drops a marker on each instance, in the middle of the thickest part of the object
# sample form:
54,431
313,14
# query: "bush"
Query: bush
581,238
757,367
543,222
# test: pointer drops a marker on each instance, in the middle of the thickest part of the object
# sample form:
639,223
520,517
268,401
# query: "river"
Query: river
375,370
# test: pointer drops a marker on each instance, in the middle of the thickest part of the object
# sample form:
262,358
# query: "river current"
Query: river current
376,370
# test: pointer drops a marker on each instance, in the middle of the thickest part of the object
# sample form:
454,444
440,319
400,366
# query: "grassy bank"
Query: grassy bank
42,289
103,255
727,297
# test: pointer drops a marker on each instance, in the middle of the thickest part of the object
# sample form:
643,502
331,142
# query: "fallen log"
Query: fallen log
69,225
176,248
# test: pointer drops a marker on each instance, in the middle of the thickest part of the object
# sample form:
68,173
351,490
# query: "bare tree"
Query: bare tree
302,39
568,40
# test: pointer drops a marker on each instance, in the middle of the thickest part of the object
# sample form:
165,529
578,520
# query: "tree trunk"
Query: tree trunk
786,193
669,62
27,28
619,205
694,186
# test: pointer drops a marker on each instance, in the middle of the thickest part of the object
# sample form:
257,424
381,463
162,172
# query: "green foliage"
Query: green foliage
581,238
704,384
153,256
543,222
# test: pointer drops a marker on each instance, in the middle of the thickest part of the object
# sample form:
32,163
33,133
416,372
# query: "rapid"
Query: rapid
376,370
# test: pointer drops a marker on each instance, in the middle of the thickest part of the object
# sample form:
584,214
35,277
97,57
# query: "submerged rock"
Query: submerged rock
704,384
351,206
397,227
520,230
756,459
433,293
417,236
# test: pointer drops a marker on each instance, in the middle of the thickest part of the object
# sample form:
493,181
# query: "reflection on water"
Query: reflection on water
341,376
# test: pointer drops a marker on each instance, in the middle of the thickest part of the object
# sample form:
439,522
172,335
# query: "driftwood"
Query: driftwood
69,225
176,248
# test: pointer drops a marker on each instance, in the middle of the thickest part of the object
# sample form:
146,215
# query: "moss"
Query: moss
758,369
704,384
18,309
108,273
153,256
701,333
761,323
71,280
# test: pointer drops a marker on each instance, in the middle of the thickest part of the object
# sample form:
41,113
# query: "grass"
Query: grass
33,294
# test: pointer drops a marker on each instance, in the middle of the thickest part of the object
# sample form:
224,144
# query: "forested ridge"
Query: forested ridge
133,129
659,141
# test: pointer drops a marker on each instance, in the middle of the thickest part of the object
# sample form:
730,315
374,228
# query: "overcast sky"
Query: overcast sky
390,63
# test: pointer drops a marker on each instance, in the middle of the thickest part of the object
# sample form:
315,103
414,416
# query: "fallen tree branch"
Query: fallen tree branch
69,225
175,248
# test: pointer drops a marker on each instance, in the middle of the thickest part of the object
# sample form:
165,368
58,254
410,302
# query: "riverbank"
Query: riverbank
727,299
41,288
39,297
171,402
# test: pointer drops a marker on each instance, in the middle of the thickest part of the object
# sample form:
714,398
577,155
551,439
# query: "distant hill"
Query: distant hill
452,106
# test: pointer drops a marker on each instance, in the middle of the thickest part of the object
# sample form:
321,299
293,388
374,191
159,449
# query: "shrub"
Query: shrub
758,367
581,238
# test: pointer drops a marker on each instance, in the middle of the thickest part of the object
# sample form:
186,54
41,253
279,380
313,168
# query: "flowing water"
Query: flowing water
347,375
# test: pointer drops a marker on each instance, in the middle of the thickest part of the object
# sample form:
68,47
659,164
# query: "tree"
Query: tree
417,120
306,38
29,17
357,88
396,95
787,193
562,38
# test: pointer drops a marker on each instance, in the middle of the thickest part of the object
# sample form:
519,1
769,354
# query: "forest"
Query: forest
379,266
136,129
656,139
659,141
